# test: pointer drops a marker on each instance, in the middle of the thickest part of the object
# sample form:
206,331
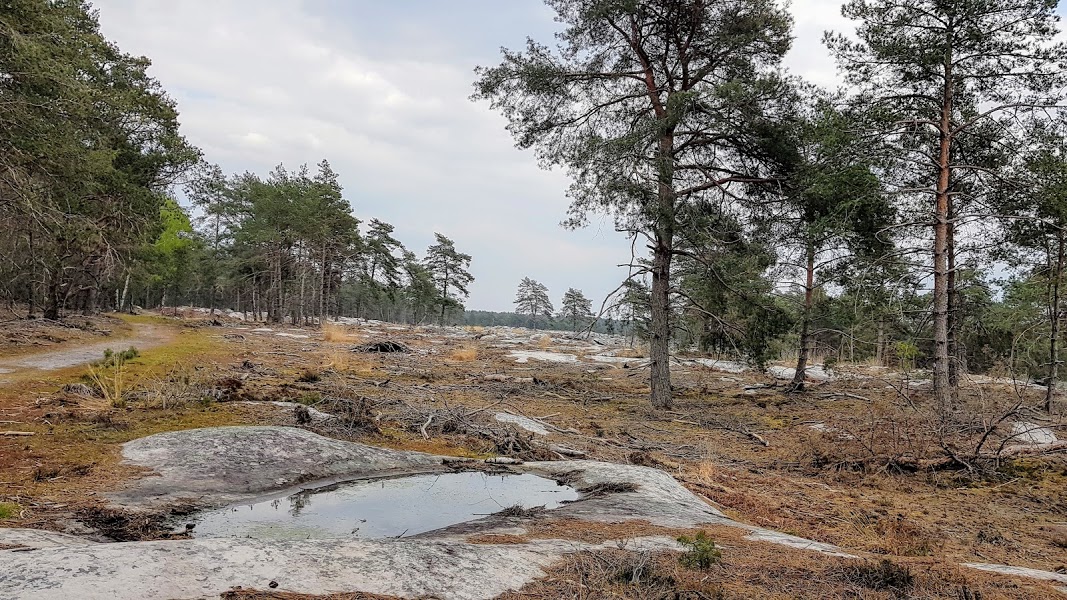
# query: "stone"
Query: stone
1031,434
522,422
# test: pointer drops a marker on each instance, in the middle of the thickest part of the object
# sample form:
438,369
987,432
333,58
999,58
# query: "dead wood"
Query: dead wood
382,347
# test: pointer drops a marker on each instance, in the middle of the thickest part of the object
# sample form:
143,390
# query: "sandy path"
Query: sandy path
143,337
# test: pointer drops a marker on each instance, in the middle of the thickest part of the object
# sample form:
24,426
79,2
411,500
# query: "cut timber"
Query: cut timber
17,433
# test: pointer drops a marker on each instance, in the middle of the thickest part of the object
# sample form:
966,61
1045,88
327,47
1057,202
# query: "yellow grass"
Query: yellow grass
544,342
466,353
338,359
637,351
335,332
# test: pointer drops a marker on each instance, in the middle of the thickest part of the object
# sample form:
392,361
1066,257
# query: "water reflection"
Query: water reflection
384,508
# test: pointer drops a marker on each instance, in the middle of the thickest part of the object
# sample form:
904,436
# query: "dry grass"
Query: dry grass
337,359
544,341
338,333
756,570
464,354
635,351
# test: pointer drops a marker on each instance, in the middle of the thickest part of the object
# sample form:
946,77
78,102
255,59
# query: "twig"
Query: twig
429,419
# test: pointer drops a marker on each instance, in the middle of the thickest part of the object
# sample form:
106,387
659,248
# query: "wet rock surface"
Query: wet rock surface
219,466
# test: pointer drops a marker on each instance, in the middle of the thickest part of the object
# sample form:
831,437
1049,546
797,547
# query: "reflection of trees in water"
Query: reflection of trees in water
299,501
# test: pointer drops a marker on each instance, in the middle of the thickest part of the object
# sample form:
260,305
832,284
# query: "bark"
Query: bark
1054,321
660,326
659,331
942,383
32,287
51,309
879,350
954,360
805,325
322,287
444,299
125,290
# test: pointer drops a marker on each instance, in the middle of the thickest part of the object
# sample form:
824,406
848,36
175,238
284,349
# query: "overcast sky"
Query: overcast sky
380,88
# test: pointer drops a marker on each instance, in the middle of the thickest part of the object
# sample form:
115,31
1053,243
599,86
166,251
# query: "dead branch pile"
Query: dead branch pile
503,439
350,414
386,346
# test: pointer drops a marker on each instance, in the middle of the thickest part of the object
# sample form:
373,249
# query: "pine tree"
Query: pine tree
1038,237
575,307
941,74
448,268
831,204
532,300
650,106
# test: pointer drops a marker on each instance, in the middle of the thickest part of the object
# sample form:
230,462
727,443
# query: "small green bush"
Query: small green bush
117,359
108,374
9,510
907,353
700,553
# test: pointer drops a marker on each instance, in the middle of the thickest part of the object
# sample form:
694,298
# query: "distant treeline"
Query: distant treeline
488,318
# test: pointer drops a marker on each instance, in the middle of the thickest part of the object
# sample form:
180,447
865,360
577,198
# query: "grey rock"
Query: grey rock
206,568
1031,434
784,539
523,422
1019,572
39,538
219,465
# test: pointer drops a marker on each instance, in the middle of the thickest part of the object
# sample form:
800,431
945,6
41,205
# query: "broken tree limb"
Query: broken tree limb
17,433
1030,450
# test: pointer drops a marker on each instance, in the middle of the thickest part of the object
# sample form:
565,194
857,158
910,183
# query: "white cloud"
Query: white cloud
260,83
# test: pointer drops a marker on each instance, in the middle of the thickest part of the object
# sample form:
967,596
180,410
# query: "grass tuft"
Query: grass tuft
9,510
465,354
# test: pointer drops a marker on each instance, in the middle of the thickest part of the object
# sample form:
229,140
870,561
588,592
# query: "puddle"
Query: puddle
384,508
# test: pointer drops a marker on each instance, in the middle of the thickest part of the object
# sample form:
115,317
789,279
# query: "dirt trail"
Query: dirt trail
144,336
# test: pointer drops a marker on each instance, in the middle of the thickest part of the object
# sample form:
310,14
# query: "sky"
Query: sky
381,89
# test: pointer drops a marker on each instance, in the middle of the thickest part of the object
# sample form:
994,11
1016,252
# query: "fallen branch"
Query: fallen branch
1030,450
846,395
17,433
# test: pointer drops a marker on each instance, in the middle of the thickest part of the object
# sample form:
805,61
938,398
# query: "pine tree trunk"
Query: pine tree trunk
125,289
51,310
805,326
954,362
659,331
1054,321
660,327
444,299
942,383
32,287
879,349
